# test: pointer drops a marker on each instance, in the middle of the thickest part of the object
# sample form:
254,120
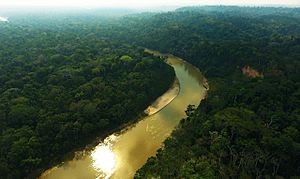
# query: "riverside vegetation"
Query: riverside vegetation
61,86
247,127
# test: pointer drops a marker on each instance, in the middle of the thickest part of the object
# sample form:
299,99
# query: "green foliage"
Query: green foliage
246,127
61,86
65,80
126,58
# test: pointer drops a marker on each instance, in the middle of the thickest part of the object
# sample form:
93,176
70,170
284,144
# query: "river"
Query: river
121,154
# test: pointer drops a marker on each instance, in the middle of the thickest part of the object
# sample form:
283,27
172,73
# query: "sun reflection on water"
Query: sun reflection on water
104,159
4,19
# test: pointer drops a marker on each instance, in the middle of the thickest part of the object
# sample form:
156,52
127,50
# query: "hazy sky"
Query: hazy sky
140,3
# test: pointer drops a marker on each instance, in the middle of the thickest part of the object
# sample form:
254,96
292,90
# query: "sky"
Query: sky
140,3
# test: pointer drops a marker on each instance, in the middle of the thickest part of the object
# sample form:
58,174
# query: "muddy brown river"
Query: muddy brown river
121,154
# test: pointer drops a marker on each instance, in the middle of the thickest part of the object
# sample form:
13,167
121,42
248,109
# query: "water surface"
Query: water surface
3,19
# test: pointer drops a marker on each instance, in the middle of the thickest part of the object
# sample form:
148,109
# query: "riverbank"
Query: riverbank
134,144
79,153
168,96
165,99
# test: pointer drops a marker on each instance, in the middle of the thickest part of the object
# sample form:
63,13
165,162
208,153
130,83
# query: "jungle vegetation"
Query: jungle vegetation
248,126
77,76
61,86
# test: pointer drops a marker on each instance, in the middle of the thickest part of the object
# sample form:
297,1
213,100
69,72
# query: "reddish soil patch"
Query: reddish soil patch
250,72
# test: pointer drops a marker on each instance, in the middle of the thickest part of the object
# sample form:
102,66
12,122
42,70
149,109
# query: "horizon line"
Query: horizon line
149,7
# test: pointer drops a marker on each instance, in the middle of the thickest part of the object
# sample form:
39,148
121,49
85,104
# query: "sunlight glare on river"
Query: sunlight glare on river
4,19
104,159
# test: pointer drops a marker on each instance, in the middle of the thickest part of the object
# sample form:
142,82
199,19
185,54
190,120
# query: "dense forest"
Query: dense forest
67,78
248,126
62,85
